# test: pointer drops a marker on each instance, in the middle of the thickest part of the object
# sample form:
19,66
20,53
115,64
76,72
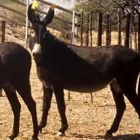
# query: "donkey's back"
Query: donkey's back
15,62
86,69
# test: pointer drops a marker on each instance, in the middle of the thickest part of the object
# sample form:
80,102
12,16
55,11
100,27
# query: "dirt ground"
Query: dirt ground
87,121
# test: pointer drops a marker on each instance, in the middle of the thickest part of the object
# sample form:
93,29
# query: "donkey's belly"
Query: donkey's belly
87,87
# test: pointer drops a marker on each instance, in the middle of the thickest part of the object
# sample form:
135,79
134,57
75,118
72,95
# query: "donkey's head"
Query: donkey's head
38,31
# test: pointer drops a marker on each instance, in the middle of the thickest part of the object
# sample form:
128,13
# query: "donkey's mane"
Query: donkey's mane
51,38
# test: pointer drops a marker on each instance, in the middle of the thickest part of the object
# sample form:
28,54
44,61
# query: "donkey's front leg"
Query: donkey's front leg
46,106
59,94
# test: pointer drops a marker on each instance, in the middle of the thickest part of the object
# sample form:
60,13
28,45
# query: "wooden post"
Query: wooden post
87,32
0,92
99,43
82,21
127,36
91,23
135,40
139,33
108,30
73,39
27,24
119,29
91,96
68,95
3,26
73,28
91,28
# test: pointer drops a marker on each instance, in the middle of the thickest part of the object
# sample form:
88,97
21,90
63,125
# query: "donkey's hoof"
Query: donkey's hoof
60,134
40,130
12,137
108,135
8,138
35,139
138,136
41,126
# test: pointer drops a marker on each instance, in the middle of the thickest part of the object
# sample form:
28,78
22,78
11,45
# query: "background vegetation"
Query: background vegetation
15,6
96,6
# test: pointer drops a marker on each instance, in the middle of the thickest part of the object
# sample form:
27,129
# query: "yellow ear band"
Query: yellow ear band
53,6
34,4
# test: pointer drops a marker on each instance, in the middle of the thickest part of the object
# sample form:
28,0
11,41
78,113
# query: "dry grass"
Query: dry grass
114,39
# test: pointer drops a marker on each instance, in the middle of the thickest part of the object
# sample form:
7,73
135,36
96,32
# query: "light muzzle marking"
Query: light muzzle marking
37,49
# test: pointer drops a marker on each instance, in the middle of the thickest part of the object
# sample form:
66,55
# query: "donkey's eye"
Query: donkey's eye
44,35
32,33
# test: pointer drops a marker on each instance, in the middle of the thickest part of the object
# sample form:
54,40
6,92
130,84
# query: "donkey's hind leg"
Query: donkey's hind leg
134,100
24,90
128,85
120,106
14,102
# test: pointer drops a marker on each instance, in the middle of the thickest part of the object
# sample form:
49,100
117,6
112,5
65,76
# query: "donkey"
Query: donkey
15,65
82,69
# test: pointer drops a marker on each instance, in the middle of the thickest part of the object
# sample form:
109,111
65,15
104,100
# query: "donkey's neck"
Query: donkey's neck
51,42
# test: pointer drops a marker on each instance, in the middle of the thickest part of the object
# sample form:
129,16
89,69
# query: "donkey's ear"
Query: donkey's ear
49,17
31,14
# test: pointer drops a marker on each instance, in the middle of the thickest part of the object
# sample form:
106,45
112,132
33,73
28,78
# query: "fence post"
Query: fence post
27,23
127,37
87,32
73,28
108,30
135,40
72,40
3,26
0,92
139,33
119,29
91,27
99,43
82,21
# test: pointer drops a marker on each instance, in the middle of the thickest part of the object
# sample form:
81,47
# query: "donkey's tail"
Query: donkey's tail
139,85
138,80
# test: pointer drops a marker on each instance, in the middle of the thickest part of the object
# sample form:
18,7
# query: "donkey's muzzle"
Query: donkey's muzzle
37,57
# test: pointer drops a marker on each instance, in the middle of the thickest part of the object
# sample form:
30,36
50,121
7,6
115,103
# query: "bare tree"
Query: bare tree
128,6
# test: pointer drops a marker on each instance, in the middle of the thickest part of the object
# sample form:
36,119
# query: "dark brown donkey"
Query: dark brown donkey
83,69
15,65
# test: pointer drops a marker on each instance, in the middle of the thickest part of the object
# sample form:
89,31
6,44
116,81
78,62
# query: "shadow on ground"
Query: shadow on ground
98,137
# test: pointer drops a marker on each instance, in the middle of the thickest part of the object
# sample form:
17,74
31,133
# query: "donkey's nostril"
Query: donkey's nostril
33,54
37,57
